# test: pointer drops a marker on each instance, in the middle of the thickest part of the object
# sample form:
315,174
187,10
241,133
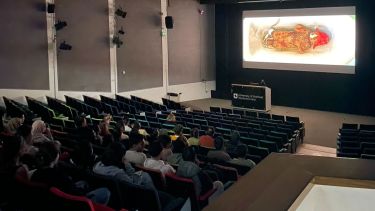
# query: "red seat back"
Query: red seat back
64,201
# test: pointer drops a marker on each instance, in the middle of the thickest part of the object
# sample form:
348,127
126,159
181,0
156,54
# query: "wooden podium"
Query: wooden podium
251,97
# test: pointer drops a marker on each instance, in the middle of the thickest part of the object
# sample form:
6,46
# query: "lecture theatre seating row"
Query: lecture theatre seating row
356,141
261,132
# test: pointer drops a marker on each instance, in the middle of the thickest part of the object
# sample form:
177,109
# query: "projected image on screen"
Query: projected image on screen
301,41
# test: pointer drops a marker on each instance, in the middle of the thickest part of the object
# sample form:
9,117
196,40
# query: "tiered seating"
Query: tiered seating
262,132
127,194
62,108
14,108
356,141
82,107
263,129
155,106
139,106
121,105
49,115
172,104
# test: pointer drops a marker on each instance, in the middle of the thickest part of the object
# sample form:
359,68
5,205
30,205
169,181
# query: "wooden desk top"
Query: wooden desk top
278,180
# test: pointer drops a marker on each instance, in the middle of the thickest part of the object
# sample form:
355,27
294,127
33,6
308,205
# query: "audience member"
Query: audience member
154,135
194,137
107,119
40,133
241,160
178,147
24,132
233,144
48,173
218,153
12,125
178,131
136,128
84,131
28,150
207,140
119,132
171,117
115,164
127,125
135,153
83,156
166,143
105,134
189,169
155,150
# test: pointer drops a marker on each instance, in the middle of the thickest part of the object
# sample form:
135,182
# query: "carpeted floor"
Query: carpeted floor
321,126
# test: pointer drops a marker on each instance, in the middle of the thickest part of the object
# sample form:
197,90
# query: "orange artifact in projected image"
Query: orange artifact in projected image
298,39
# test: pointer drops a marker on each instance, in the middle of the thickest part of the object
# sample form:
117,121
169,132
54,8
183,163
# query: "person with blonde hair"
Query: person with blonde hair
12,125
171,117
40,133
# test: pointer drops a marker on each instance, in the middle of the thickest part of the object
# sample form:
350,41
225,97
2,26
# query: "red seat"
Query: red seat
156,175
64,201
184,187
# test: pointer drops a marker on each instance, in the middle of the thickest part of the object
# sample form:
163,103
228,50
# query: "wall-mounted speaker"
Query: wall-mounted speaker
169,22
50,8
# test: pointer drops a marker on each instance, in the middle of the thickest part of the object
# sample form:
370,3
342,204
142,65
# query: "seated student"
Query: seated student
154,135
194,138
115,164
171,117
233,144
218,153
241,160
83,156
12,125
28,150
119,132
135,153
107,119
47,173
24,132
166,142
155,150
207,140
84,131
178,131
105,134
189,169
178,147
40,133
136,128
126,125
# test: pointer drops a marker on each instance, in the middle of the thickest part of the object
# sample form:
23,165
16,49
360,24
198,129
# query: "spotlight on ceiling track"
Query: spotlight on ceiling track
65,47
121,13
121,31
117,41
50,8
60,25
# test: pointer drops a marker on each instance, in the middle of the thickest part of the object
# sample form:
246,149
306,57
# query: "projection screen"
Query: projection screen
310,39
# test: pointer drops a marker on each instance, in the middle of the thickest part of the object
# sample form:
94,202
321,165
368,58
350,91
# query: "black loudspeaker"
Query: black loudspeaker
50,8
169,22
